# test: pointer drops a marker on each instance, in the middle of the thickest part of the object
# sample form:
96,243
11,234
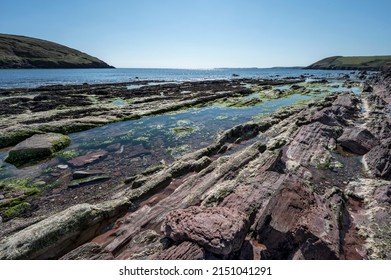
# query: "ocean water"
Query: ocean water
11,78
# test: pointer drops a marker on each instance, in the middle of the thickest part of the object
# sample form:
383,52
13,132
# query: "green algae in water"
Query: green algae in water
182,130
221,117
178,151
142,139
183,122
67,154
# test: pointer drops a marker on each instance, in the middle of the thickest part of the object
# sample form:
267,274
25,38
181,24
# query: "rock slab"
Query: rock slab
37,147
357,140
378,161
219,230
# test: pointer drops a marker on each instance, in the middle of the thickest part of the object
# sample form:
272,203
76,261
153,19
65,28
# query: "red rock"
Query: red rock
220,230
298,224
88,158
357,140
309,145
378,161
184,251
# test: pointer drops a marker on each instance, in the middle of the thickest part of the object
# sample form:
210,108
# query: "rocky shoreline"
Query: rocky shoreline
311,181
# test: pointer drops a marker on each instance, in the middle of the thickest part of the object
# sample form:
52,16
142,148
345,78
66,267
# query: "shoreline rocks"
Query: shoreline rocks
282,187
219,230
37,147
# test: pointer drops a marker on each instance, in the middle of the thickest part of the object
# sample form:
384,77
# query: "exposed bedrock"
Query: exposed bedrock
307,182
220,230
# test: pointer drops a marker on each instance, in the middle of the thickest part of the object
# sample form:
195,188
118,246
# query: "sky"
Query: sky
206,33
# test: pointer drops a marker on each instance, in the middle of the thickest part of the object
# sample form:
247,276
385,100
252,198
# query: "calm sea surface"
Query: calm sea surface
38,77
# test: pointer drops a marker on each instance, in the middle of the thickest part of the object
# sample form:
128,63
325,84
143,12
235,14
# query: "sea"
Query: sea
18,78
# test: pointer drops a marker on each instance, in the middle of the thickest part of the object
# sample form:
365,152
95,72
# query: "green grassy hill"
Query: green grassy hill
353,63
25,52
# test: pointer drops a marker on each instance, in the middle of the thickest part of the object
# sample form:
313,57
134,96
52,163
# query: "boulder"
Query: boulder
219,230
357,140
378,161
37,147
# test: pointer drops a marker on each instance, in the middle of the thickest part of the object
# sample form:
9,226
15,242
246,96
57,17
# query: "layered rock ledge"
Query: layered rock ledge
308,182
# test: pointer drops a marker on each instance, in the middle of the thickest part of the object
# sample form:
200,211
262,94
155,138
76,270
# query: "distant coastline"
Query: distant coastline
20,52
369,63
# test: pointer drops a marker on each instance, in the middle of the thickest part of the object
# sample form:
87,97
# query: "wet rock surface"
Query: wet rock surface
37,147
291,185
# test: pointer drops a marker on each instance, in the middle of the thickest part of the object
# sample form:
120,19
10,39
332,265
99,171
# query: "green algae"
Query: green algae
182,130
15,192
67,154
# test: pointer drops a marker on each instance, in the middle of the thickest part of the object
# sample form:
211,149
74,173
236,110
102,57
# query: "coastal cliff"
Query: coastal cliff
25,52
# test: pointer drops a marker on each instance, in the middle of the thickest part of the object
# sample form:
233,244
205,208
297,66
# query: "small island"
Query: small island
17,52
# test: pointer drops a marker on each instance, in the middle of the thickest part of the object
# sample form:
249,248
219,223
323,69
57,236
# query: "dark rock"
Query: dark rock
220,230
137,150
378,161
37,147
357,140
296,87
367,88
88,158
252,250
80,174
299,224
88,180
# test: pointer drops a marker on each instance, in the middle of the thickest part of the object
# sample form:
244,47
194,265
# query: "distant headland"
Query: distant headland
374,63
25,52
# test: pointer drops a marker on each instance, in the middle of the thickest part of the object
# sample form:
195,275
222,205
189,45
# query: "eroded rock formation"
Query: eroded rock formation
307,182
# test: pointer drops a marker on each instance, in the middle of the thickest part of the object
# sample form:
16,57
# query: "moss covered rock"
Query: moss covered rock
61,232
37,147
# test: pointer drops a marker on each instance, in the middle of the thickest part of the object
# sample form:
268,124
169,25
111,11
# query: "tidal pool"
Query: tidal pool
132,146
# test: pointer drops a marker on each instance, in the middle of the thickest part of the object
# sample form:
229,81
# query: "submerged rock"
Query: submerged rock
37,147
88,158
87,180
219,230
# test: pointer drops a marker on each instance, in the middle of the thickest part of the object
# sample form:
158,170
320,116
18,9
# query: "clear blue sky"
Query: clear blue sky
206,33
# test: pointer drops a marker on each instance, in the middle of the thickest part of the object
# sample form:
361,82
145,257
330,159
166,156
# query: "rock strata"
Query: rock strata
219,230
308,182
357,140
